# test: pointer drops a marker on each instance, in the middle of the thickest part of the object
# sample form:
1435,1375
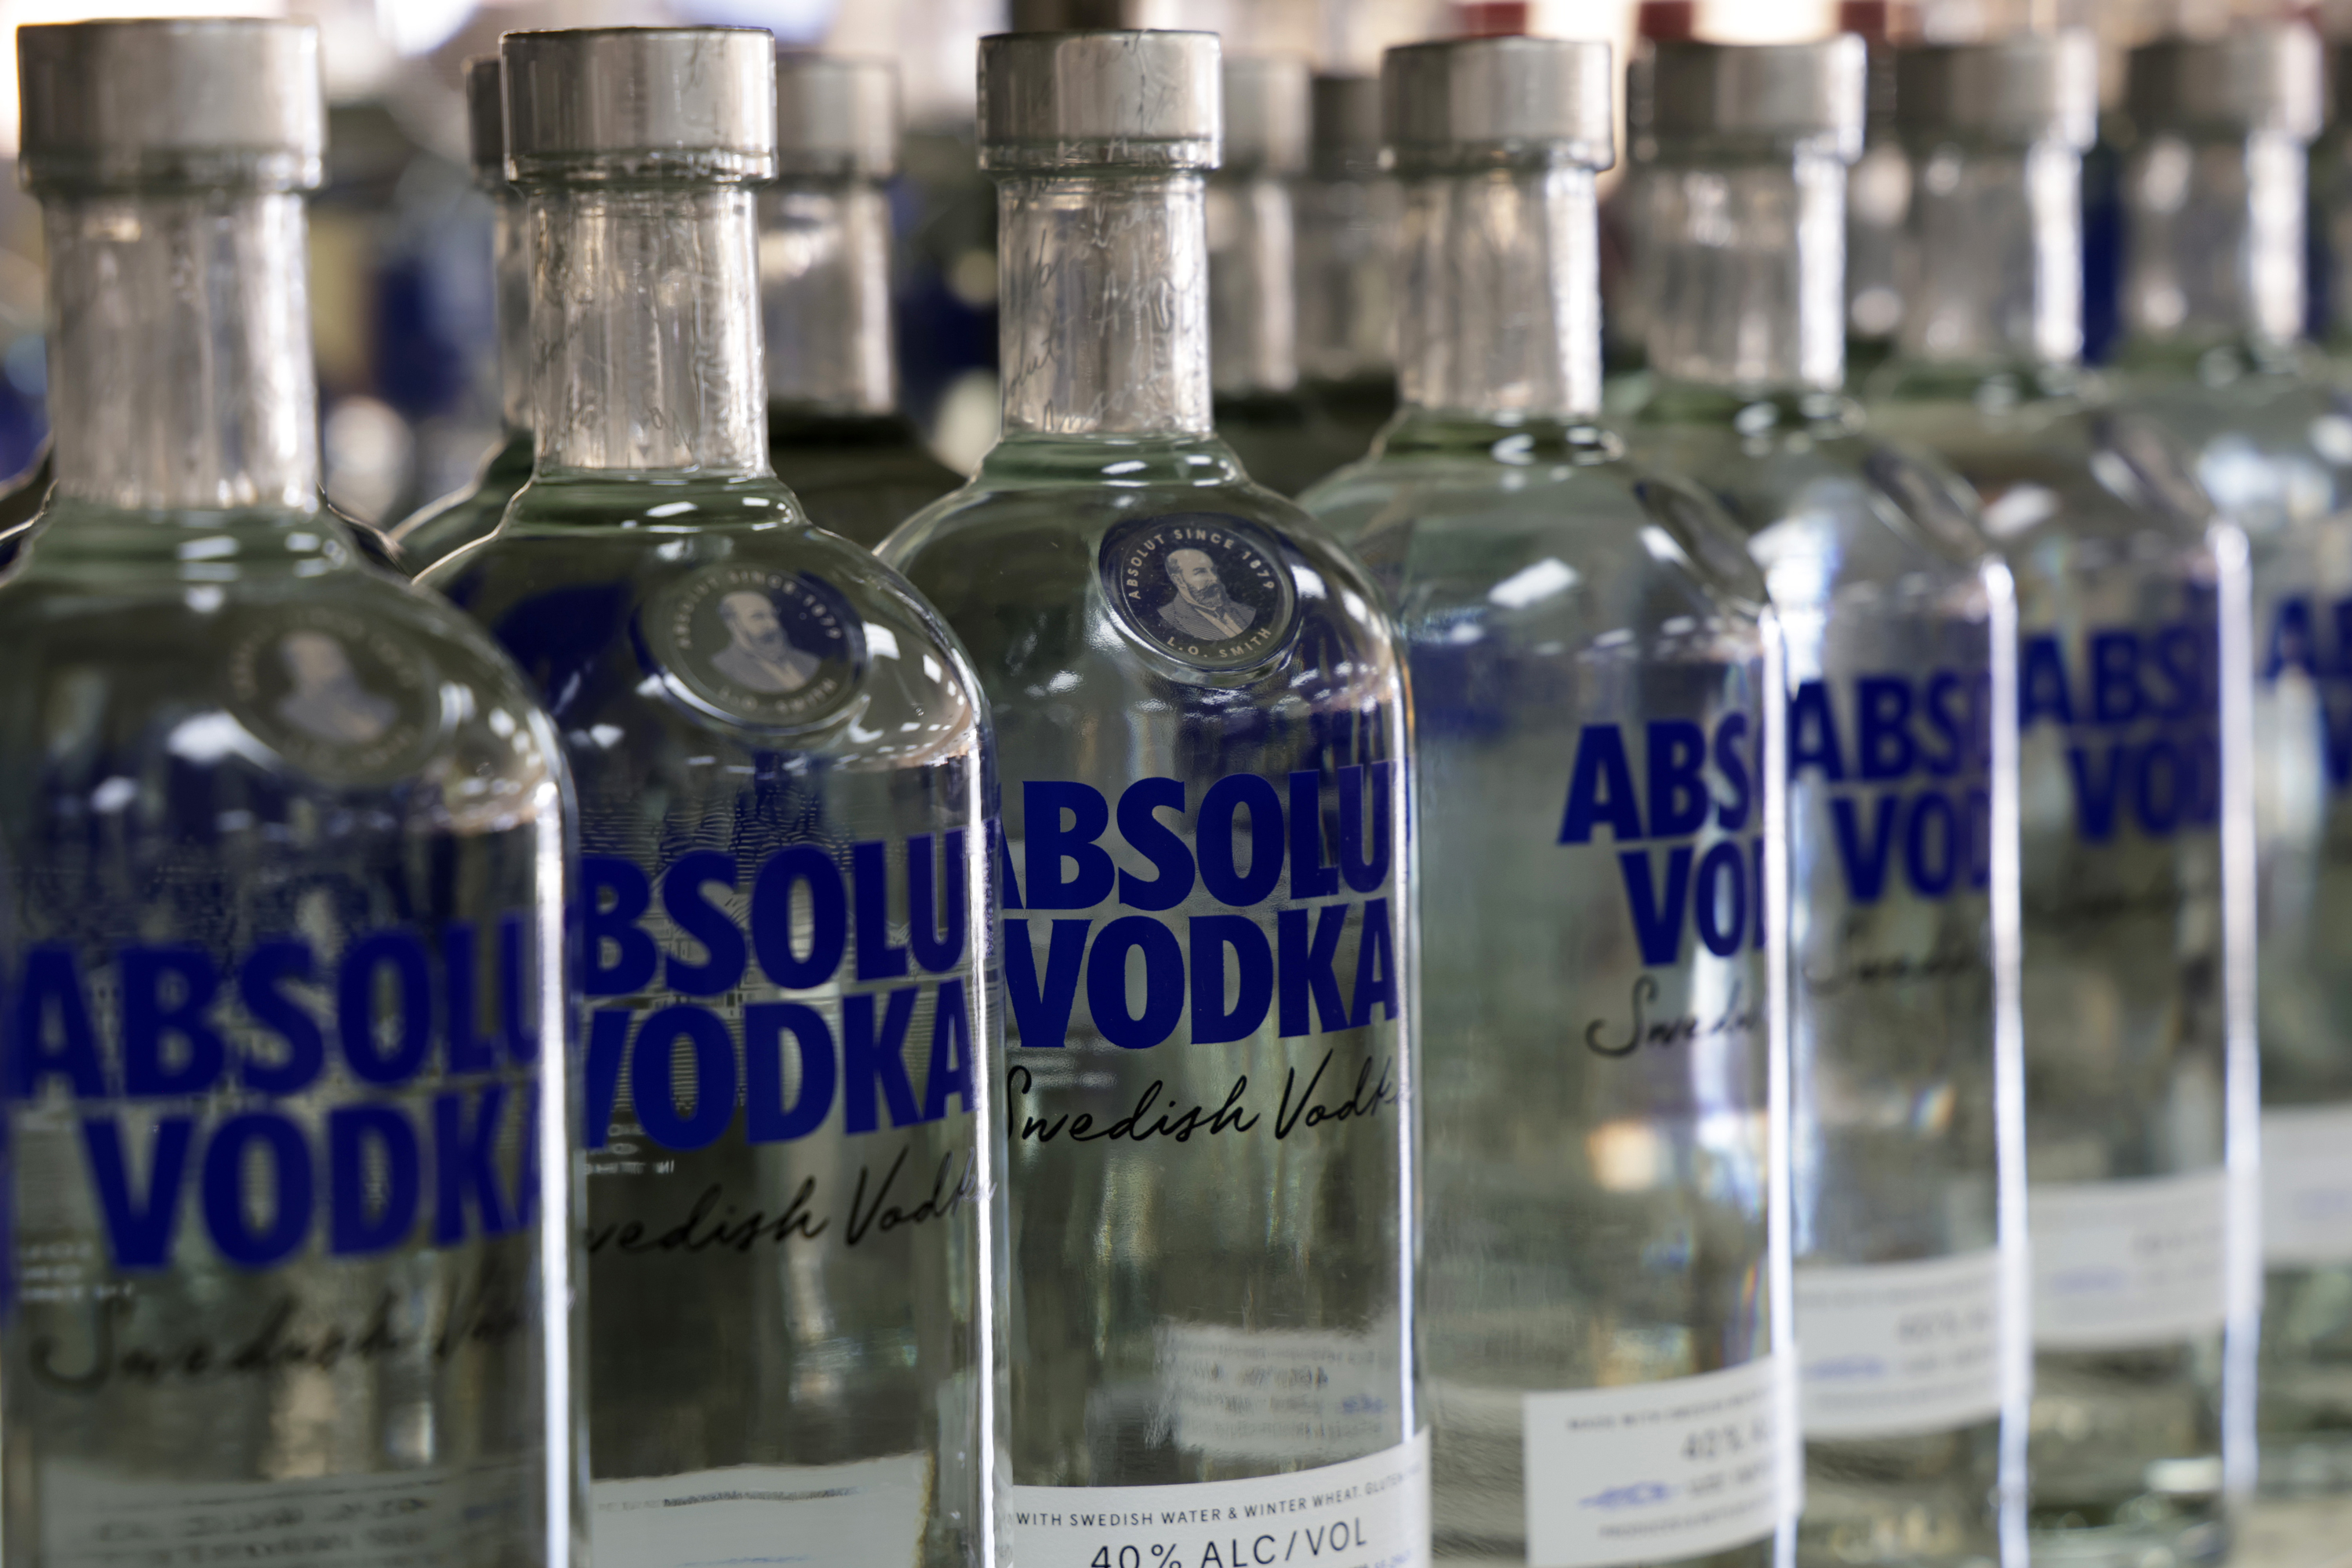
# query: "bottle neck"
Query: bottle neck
510,272
825,297
1998,232
1347,289
646,330
1253,284
180,374
1744,268
1500,315
2216,242
1106,295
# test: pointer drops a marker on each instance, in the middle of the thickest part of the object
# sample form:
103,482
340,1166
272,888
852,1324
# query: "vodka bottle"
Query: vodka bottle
282,856
456,520
1261,410
1603,1262
1346,216
785,790
2330,287
2213,293
1209,942
1878,195
834,431
1908,1250
2131,804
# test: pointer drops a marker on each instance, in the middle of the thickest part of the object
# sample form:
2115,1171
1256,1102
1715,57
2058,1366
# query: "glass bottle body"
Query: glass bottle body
782,769
1896,1068
1210,1149
286,860
2125,975
286,864
1562,647
788,1035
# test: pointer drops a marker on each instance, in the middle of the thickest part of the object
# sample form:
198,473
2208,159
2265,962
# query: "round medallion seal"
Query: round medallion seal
340,699
759,646
1203,587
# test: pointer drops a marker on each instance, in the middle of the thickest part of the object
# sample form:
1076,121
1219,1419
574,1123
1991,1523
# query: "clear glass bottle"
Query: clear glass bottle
1347,213
458,520
834,431
1906,1146
1209,936
785,797
282,847
1262,412
1602,1260
2214,203
2130,812
2330,248
1878,196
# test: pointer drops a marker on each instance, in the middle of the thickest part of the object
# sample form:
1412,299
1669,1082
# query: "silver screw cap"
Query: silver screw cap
486,118
636,103
2258,77
2031,88
1781,96
1346,119
1071,101
1480,99
1267,113
836,118
217,101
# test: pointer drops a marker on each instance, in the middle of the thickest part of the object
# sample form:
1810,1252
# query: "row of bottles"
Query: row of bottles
1673,988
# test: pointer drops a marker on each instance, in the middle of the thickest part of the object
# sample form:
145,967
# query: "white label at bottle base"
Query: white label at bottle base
1371,1512
1890,1349
2307,1185
868,1514
2127,1265
1275,1393
397,1518
1656,1471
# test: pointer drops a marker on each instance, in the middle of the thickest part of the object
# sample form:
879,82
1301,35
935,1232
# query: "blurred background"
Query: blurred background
400,237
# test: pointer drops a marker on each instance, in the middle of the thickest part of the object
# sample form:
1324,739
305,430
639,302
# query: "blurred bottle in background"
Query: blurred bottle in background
1602,1265
1904,1143
460,518
834,431
1252,276
1877,195
1349,214
2329,280
2133,934
2214,192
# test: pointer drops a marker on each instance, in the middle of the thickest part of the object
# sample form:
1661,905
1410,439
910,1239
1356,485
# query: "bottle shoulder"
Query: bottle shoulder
769,637
2274,451
1826,506
1601,543
2045,477
443,527
1184,598
1062,524
342,686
